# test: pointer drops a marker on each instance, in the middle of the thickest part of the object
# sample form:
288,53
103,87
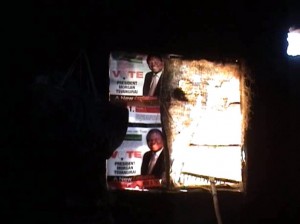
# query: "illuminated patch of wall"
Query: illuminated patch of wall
205,119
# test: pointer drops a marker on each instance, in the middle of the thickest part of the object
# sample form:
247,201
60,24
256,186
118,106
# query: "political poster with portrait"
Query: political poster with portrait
126,75
134,81
124,167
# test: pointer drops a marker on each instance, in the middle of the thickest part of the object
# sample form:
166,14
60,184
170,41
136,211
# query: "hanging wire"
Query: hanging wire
90,79
70,71
215,199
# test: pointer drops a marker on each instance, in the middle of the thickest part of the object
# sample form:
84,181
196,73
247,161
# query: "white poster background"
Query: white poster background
127,76
148,116
127,159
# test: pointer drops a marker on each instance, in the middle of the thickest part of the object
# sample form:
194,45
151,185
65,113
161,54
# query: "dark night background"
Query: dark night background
44,37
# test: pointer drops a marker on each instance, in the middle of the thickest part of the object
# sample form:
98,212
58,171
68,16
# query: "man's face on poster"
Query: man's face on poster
155,142
155,64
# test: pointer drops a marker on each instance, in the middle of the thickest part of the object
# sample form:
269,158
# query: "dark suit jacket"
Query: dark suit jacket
147,82
159,167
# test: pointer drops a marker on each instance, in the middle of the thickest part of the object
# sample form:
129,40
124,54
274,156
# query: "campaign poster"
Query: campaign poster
126,75
135,80
124,167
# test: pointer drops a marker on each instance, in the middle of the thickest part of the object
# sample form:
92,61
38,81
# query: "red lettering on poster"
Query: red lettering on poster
130,74
134,154
130,154
137,74
116,73
114,155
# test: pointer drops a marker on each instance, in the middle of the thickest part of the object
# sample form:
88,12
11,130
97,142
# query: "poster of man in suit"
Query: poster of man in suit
152,82
135,80
154,160
135,75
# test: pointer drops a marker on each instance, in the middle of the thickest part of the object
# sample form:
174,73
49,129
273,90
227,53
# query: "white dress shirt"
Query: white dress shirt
155,79
153,160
